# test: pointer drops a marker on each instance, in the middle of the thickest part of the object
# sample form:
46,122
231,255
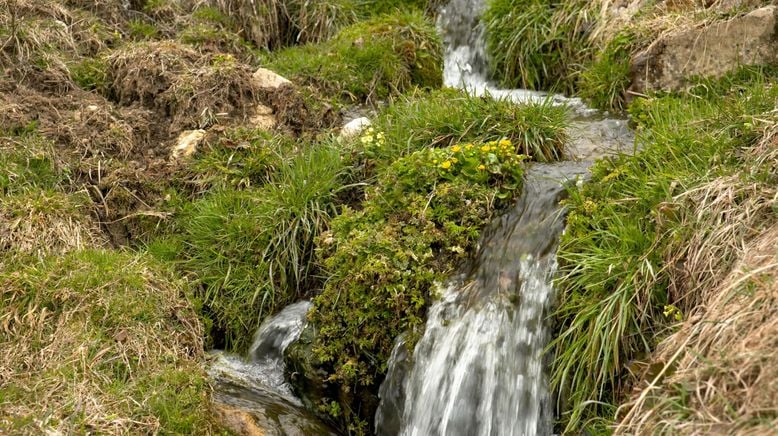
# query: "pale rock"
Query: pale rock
187,143
709,51
267,79
263,118
355,127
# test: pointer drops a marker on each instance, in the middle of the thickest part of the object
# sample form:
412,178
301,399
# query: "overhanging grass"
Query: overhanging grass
368,61
614,284
251,250
536,44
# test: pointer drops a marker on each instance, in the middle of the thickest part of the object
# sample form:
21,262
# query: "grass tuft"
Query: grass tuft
251,250
536,44
630,230
368,61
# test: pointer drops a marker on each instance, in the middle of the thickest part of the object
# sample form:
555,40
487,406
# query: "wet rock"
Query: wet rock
237,421
187,143
710,51
354,127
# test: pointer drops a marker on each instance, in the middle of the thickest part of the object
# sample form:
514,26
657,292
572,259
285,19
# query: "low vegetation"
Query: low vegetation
251,248
536,44
368,61
98,340
652,233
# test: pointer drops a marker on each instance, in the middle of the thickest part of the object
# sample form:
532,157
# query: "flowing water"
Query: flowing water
479,367
255,385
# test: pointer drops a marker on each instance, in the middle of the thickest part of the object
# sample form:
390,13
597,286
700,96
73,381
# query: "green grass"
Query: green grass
239,158
536,44
622,225
368,61
90,73
27,162
604,81
110,327
251,250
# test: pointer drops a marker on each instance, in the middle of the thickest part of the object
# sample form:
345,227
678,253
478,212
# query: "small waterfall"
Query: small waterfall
256,384
478,369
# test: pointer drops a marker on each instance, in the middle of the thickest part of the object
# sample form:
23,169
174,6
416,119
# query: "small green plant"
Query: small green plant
90,74
141,30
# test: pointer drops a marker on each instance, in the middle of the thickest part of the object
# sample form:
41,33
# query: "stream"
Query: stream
479,367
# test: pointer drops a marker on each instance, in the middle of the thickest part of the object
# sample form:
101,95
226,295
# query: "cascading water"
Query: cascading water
479,368
256,384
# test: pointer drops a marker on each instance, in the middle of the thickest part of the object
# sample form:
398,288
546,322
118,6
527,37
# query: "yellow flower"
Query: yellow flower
434,161
455,160
481,167
456,149
505,143
446,165
469,147
485,148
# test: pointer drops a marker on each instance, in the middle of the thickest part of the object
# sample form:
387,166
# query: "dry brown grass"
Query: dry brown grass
718,373
102,343
177,82
720,369
274,24
47,222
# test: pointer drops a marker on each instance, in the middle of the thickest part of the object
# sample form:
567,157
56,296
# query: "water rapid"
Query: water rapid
479,367
256,385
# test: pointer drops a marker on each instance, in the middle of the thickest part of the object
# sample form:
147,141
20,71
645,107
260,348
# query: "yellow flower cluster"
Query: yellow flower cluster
503,147
372,138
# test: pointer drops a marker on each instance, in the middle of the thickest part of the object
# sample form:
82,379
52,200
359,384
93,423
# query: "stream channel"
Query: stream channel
479,367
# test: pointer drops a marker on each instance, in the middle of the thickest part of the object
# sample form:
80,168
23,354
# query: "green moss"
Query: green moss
383,261
368,61
251,250
535,44
623,224
112,327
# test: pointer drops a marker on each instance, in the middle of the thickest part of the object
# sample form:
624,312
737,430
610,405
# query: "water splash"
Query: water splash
256,384
478,369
